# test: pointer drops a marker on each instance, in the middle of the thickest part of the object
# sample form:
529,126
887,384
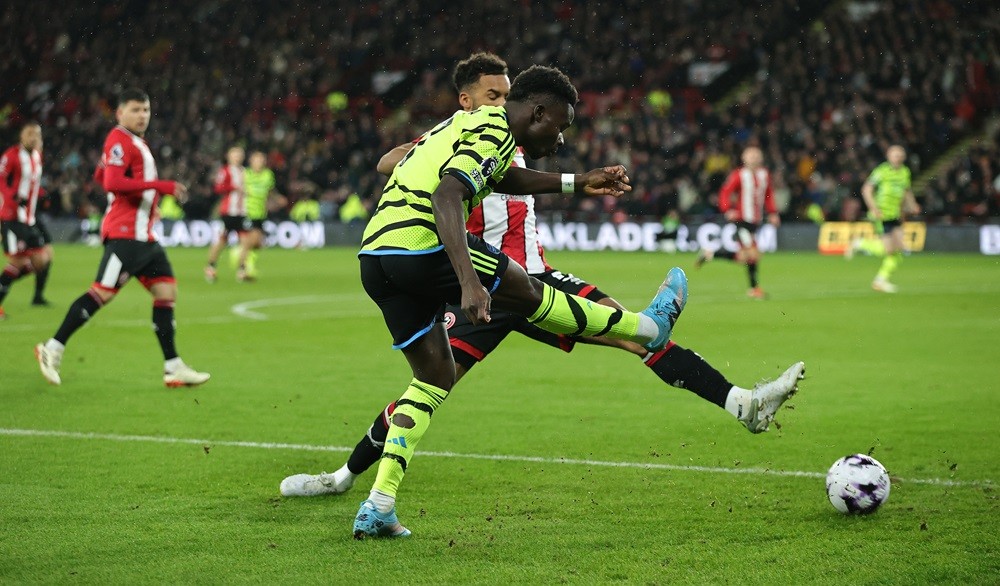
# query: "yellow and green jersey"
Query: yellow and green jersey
891,186
475,147
258,185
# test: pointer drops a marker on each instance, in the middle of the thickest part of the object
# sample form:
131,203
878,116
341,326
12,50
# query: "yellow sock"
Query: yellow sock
561,313
889,265
418,403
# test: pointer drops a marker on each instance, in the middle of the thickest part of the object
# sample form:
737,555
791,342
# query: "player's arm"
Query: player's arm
114,179
868,194
769,205
726,196
604,181
6,185
223,182
392,158
910,204
449,215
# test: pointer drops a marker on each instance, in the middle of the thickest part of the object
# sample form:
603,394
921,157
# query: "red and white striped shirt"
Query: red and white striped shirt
229,184
754,194
20,183
508,223
128,173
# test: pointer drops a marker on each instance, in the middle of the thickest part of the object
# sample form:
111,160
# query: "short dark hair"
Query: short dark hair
132,94
539,80
468,71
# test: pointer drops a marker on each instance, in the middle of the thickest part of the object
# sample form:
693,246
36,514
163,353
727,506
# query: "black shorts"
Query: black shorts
470,343
883,227
20,239
412,289
43,230
745,233
235,223
255,224
123,259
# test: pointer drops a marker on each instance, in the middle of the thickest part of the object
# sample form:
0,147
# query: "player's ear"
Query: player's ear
538,113
465,100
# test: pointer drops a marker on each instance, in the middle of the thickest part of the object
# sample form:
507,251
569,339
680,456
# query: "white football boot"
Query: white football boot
184,376
314,485
48,361
767,398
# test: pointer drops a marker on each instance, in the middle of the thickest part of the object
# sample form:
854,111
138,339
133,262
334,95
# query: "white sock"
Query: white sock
344,478
173,364
738,401
383,502
647,329
55,345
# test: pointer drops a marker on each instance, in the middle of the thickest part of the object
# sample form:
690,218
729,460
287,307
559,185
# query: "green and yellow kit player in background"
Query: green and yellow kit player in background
888,195
260,185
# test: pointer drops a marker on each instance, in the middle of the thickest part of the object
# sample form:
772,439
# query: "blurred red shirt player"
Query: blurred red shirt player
128,173
22,240
744,198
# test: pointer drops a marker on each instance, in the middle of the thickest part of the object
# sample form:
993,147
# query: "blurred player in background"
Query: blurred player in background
750,187
24,243
508,223
887,193
260,187
229,184
128,173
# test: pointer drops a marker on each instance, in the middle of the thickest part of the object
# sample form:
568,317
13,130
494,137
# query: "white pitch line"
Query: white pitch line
246,309
492,457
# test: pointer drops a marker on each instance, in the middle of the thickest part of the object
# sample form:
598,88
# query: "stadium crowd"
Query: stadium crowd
326,92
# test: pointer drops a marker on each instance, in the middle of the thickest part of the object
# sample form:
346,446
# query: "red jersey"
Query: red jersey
20,182
229,184
753,191
128,173
508,223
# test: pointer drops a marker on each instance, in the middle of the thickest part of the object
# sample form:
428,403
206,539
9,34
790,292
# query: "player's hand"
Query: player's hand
774,219
180,192
476,304
876,214
606,181
914,209
732,215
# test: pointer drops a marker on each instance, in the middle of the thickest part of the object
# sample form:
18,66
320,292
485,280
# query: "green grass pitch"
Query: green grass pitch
542,468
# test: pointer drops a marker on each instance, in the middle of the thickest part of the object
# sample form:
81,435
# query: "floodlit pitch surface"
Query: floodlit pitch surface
542,468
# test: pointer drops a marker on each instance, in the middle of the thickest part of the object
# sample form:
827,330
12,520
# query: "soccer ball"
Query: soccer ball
857,485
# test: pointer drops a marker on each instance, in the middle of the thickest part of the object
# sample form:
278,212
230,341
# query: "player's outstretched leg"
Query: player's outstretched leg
666,307
767,397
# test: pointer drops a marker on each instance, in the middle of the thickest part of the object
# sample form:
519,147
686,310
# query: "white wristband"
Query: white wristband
568,183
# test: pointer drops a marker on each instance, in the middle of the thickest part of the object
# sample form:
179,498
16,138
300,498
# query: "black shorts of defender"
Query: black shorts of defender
235,223
746,233
255,224
124,259
471,344
20,238
412,289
